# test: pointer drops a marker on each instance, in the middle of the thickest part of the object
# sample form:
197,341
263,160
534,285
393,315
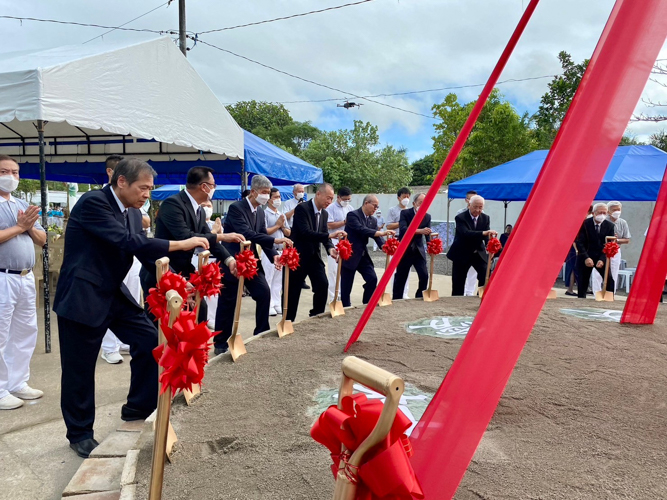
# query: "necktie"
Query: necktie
254,219
597,228
474,222
317,221
127,222
198,216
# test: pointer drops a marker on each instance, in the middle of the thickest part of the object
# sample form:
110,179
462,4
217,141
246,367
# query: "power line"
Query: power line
124,24
86,25
286,17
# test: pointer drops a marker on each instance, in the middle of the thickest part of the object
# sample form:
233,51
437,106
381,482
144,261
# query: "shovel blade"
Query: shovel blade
599,296
480,291
236,347
285,328
190,396
552,294
336,308
609,296
385,300
431,296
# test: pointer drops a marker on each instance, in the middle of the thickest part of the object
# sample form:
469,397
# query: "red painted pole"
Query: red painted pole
442,173
446,437
642,305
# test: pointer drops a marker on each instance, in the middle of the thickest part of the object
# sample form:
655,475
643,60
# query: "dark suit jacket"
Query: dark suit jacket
98,255
306,237
418,239
590,243
240,220
359,230
177,220
468,239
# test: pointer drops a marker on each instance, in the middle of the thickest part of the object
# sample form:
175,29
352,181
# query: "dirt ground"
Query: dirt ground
584,414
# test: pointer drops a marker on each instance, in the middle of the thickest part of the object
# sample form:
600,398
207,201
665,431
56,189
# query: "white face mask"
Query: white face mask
344,203
299,196
8,183
208,211
616,214
405,202
262,199
209,193
277,203
599,218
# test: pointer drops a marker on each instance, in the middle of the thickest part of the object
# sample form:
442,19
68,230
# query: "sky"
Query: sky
376,47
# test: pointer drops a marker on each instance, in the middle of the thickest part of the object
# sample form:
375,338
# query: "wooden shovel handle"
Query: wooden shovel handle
161,267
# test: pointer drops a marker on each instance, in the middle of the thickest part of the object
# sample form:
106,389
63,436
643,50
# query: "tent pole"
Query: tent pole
244,179
449,201
506,203
45,249
182,41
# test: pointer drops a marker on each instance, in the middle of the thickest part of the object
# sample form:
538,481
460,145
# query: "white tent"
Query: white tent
80,103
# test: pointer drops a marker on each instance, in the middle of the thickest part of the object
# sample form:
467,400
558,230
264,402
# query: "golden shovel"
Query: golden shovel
431,295
235,342
285,326
387,384
604,295
480,289
165,437
385,300
336,306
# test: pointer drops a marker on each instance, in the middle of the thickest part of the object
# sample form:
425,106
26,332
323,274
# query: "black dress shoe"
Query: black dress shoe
304,286
219,350
571,294
130,414
83,448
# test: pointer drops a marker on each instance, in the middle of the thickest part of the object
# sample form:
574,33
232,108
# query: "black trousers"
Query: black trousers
412,258
585,273
224,316
79,348
460,271
367,271
313,269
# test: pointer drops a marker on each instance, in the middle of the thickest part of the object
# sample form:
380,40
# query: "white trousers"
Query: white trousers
332,269
275,280
597,279
471,283
110,342
18,330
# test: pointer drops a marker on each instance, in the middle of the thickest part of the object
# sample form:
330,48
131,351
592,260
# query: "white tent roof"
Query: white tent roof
146,91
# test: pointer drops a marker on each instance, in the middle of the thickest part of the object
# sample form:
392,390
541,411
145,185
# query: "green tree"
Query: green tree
659,140
422,171
253,115
353,158
630,140
556,101
500,135
294,137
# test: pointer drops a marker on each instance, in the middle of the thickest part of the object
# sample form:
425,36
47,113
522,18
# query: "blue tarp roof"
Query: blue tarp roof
221,192
634,174
261,157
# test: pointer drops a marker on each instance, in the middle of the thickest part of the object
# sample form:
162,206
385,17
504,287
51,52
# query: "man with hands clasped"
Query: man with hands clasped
590,241
276,227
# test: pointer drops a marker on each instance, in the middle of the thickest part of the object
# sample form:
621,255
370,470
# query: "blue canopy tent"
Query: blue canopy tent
221,192
261,157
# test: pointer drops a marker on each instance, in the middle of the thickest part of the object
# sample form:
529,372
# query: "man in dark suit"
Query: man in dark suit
309,233
103,233
181,217
415,255
473,229
247,218
590,241
361,226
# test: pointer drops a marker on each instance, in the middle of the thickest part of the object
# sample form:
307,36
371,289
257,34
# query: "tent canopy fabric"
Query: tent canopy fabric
221,192
141,99
634,174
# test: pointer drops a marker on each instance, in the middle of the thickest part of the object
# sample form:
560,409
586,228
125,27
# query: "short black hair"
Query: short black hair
112,161
273,190
344,191
245,193
131,169
473,193
197,175
402,191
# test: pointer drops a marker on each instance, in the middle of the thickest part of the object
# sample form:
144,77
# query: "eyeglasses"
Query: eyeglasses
374,205
212,186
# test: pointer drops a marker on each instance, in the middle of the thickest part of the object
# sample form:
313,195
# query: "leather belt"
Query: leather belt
24,272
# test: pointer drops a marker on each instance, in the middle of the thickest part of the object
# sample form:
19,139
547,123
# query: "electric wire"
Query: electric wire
128,22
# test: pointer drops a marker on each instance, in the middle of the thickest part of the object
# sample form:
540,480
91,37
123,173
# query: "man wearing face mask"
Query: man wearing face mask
299,193
181,217
623,234
337,211
591,239
471,277
276,227
19,232
245,217
393,220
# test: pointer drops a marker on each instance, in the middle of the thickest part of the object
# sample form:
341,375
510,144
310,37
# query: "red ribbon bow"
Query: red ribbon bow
246,264
385,471
208,282
434,247
185,354
494,246
390,246
157,299
344,248
290,258
610,249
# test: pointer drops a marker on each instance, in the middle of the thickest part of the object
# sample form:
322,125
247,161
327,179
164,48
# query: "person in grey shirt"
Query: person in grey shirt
19,232
337,211
276,227
622,231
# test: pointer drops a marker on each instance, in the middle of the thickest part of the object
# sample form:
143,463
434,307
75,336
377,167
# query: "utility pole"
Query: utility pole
182,41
